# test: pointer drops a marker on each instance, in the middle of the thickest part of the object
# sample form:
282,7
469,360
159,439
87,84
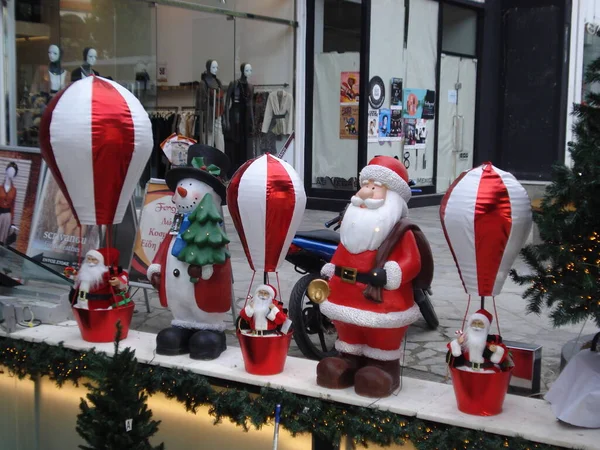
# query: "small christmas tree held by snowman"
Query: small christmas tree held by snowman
206,242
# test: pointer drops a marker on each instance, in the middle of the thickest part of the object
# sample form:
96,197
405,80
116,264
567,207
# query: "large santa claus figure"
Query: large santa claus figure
371,328
99,281
199,296
476,350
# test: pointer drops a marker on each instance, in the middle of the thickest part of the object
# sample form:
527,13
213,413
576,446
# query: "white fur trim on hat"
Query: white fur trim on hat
393,275
264,287
481,317
497,355
353,349
382,355
370,319
96,254
152,269
273,313
217,326
388,177
328,270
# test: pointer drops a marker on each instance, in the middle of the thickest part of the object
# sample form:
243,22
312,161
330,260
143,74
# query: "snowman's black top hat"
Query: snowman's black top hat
206,164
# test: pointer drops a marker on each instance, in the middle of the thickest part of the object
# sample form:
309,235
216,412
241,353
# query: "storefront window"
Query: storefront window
336,94
591,52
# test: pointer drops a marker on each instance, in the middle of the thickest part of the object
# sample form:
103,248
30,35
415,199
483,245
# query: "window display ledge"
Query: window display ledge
529,418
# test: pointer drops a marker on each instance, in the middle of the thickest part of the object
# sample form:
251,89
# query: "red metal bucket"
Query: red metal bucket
264,355
100,325
480,394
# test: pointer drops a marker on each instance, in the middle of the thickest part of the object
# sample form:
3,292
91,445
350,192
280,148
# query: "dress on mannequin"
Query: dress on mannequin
51,78
238,123
85,70
209,108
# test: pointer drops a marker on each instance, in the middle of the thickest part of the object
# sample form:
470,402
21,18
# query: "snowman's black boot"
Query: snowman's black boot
207,344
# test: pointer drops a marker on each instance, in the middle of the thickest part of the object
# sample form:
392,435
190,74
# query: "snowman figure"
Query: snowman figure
196,288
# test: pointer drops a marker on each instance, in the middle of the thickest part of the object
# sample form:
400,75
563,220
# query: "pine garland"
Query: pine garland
299,414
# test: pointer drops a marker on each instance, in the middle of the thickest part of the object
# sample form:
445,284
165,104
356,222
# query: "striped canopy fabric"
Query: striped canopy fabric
486,218
96,138
266,200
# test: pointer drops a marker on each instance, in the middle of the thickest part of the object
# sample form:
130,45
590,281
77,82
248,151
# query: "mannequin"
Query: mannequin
51,78
209,107
85,70
238,119
8,195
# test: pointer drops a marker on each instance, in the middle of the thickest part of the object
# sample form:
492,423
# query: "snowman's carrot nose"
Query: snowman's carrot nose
181,191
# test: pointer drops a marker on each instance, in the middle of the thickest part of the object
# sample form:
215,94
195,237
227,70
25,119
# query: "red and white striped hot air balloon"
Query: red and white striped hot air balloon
96,138
266,200
486,217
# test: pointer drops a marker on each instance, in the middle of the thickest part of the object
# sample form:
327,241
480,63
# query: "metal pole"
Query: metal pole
482,302
2,80
12,74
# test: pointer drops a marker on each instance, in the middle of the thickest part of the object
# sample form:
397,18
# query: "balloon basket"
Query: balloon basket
264,355
480,394
100,325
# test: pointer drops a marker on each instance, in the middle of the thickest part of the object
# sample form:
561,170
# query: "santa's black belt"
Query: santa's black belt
485,365
4,210
376,277
89,296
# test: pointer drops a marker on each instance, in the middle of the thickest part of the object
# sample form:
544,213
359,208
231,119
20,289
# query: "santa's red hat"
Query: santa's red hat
390,172
484,316
267,287
106,256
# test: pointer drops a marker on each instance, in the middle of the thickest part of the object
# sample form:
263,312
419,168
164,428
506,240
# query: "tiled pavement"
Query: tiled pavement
425,349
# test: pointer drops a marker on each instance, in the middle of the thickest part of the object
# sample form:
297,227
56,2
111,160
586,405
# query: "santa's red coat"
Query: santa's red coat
278,318
212,295
104,288
346,302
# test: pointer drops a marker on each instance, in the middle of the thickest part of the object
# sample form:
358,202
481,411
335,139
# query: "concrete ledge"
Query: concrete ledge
530,418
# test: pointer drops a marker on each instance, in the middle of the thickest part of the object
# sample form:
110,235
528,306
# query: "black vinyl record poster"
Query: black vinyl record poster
376,92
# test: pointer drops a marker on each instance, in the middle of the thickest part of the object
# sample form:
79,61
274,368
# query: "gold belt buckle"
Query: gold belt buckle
82,295
476,366
349,275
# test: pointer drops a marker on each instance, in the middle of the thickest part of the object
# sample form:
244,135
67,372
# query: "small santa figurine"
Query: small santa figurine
475,349
264,314
99,282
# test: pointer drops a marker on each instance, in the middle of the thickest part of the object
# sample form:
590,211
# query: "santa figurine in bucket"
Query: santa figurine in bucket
381,257
264,313
192,268
100,283
475,350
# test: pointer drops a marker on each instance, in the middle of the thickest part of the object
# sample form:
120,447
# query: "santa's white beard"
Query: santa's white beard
365,229
261,311
90,276
475,343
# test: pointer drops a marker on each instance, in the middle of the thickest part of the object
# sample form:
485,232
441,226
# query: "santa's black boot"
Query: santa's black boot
173,341
207,344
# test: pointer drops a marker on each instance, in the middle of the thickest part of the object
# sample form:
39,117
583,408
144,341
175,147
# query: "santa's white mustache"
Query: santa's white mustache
370,203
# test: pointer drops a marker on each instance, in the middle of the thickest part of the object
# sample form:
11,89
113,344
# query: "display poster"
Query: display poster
55,234
373,128
415,134
157,216
396,131
18,183
349,122
429,106
413,103
175,148
162,76
384,124
396,94
349,88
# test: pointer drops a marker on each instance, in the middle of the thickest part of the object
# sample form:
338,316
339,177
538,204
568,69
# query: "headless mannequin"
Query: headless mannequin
85,70
209,106
238,119
51,78
8,195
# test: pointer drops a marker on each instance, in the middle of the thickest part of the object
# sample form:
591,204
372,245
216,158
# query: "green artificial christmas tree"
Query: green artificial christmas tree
115,415
565,266
206,242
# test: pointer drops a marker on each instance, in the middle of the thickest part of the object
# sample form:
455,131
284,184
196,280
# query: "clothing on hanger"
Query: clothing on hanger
279,114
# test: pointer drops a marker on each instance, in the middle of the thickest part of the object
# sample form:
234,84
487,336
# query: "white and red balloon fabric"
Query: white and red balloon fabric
486,218
266,200
96,138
